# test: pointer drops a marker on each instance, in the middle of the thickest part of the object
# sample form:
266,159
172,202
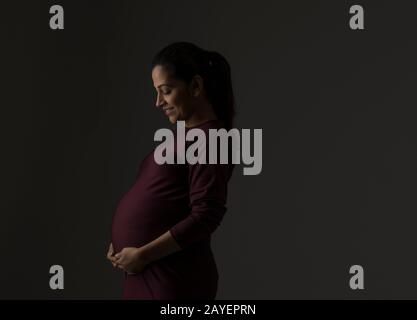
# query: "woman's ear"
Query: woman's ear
197,86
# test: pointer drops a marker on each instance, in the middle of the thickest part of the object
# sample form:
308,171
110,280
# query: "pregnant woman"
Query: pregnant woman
161,230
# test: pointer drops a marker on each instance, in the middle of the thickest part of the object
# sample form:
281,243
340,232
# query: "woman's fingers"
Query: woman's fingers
115,259
110,257
110,252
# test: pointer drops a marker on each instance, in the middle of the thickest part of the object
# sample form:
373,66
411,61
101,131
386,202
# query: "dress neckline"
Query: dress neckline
202,124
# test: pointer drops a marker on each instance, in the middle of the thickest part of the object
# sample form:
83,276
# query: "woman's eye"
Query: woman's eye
166,92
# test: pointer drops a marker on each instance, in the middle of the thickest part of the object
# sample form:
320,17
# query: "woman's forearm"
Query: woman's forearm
160,247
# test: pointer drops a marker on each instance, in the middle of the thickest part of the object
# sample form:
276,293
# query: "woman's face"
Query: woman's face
174,96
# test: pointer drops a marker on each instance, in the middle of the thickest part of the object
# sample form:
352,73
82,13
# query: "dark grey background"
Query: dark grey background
337,109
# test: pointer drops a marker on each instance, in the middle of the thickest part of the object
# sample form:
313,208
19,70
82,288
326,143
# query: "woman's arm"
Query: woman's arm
134,260
162,246
207,193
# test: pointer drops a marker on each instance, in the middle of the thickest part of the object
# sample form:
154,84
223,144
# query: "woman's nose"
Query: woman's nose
159,101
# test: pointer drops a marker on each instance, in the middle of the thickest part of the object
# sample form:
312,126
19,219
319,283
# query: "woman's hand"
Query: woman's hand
131,260
110,255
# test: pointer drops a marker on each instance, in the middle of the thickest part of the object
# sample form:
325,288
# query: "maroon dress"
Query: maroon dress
187,199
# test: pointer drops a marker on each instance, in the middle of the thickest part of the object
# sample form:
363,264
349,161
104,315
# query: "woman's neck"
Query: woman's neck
206,114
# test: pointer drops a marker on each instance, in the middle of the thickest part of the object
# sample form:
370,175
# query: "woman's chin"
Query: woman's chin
172,119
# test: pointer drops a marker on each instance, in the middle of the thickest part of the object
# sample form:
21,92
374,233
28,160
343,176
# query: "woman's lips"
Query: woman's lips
168,110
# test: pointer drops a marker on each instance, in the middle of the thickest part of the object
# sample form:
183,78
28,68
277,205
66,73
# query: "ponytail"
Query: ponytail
219,88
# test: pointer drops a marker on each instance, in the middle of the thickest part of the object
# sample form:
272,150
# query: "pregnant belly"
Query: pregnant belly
140,219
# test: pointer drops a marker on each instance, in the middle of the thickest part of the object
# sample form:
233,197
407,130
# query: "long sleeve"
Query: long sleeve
208,193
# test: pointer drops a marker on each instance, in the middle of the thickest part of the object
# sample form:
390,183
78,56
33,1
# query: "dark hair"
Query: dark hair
187,60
